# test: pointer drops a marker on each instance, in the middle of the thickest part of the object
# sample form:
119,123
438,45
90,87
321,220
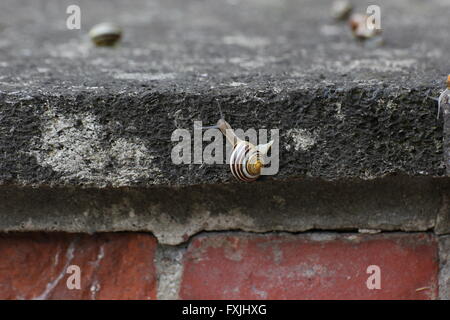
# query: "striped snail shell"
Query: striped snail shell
246,160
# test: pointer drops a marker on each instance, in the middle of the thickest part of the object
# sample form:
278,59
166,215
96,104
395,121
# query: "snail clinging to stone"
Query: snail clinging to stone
246,160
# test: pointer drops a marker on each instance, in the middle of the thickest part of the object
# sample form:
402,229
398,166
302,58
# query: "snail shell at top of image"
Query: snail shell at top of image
105,34
246,162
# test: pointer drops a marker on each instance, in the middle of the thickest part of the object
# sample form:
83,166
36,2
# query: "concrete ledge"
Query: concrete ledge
175,214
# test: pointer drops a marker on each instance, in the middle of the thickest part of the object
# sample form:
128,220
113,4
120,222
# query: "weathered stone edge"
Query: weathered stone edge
94,139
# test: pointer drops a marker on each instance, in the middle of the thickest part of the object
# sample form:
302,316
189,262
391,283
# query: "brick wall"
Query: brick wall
226,265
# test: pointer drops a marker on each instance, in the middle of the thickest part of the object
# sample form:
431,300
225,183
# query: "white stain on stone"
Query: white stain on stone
301,139
74,146
133,159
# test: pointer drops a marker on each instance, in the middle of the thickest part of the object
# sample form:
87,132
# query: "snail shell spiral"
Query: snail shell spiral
246,159
246,162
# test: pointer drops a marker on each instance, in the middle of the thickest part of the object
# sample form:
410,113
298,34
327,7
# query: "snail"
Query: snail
105,34
246,160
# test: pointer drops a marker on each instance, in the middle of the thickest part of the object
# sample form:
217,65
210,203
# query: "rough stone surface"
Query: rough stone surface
444,277
175,214
113,266
314,266
75,115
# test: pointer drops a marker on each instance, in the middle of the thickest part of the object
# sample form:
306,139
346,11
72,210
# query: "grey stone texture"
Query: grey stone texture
76,115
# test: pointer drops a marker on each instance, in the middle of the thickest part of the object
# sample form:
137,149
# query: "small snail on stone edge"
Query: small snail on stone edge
246,160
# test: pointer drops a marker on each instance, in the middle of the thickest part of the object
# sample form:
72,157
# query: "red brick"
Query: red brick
310,267
120,266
